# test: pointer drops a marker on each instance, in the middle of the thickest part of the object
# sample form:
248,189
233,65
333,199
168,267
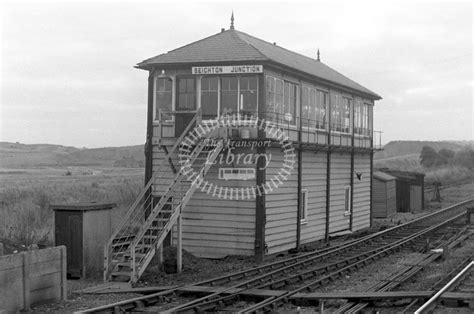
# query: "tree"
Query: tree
447,153
430,158
465,158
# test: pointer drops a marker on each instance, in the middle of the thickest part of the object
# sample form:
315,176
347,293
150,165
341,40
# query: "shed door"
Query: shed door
415,198
69,233
403,197
185,101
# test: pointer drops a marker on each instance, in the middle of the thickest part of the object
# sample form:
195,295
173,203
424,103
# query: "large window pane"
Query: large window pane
289,106
336,114
321,110
305,108
186,94
164,90
270,99
347,114
209,95
278,108
229,95
249,95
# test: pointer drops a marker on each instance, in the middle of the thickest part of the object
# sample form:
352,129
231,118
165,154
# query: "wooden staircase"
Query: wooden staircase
150,219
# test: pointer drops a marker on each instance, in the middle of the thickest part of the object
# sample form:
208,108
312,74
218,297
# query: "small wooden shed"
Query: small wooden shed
410,190
383,195
84,229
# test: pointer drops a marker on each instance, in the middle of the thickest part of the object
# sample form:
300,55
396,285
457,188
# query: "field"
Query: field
25,196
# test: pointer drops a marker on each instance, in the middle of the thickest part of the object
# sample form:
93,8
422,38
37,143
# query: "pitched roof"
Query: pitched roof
236,46
382,176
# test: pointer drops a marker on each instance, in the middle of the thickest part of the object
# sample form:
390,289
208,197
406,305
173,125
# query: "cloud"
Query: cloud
67,67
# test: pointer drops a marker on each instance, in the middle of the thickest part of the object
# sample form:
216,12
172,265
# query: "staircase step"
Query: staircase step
121,244
137,255
120,276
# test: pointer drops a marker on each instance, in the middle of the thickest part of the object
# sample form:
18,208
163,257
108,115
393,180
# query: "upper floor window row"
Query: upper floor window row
217,95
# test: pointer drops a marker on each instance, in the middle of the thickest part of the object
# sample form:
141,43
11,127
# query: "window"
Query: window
362,114
248,95
347,201
163,97
314,108
229,95
209,97
321,105
186,94
282,101
304,206
341,114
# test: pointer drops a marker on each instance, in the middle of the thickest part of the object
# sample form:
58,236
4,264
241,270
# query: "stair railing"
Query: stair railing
165,199
139,264
124,234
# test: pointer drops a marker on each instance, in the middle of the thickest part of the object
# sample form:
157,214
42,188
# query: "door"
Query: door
185,101
415,198
68,232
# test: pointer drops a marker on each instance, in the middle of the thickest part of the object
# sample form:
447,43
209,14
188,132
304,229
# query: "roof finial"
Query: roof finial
232,20
319,59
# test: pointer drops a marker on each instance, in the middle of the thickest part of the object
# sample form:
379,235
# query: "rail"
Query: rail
258,273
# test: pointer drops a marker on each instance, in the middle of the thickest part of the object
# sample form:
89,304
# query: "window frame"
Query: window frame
317,109
339,105
363,117
347,200
156,119
294,124
177,92
304,206
219,92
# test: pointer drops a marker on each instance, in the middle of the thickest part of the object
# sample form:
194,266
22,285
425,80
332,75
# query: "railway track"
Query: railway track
301,273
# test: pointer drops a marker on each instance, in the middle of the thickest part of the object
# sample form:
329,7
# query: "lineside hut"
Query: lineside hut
410,190
327,117
383,195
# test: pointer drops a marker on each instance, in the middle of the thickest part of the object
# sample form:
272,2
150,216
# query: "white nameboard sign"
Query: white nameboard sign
230,69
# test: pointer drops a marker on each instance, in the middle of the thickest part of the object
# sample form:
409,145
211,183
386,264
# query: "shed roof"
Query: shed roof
236,46
382,176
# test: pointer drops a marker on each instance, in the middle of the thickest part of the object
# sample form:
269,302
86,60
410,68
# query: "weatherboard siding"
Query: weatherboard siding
281,207
361,193
340,178
314,180
213,227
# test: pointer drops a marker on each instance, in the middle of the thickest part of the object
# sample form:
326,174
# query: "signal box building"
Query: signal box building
327,117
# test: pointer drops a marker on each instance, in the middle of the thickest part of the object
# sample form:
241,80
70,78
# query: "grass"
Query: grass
25,216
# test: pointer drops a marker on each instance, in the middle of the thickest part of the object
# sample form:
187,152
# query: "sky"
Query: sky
67,68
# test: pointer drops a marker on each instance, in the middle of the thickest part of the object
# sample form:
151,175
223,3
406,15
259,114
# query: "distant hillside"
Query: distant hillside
17,155
408,148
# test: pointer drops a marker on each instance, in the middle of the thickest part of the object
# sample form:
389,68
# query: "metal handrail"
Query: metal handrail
432,301
135,212
156,210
